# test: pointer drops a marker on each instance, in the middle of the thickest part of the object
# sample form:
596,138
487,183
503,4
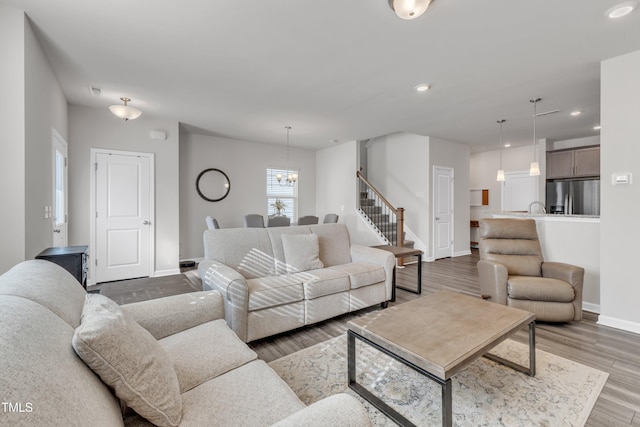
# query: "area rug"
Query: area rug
484,394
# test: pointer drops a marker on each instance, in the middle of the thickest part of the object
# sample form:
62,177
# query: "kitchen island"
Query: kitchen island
574,239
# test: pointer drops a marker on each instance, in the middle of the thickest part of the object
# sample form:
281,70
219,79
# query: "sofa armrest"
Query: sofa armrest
493,281
169,315
572,274
235,293
337,410
360,253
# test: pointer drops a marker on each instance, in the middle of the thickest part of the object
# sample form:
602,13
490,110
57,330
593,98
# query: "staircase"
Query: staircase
386,219
382,221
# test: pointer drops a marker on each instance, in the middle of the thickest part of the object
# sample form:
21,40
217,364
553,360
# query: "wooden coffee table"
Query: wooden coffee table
437,335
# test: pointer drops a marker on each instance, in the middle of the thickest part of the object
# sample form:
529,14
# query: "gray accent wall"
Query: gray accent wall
245,163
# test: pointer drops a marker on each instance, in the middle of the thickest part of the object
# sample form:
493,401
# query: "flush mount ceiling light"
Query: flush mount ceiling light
620,10
576,113
125,112
422,87
409,9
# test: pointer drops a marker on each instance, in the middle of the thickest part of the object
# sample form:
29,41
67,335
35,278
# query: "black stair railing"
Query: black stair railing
388,219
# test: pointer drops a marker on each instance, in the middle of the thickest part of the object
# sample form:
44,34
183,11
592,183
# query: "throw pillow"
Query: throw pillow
301,252
129,359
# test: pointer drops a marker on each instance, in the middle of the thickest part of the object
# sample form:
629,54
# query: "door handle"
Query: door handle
56,230
147,223
437,218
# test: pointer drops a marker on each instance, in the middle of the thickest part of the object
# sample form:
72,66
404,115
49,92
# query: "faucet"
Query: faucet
544,209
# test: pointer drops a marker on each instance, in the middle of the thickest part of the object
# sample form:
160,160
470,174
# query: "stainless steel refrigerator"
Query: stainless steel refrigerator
577,197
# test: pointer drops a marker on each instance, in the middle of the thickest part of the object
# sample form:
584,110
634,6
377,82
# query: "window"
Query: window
278,191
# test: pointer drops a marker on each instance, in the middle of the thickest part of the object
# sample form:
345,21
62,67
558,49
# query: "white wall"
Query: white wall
456,156
397,167
620,150
245,163
337,191
12,135
98,128
46,108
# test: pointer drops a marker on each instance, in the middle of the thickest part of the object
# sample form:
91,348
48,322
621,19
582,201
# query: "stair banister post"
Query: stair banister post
400,232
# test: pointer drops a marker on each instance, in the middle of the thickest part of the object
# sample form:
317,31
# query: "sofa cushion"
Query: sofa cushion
301,252
272,291
247,250
334,242
362,274
252,395
539,289
34,281
38,366
129,359
321,282
275,235
204,352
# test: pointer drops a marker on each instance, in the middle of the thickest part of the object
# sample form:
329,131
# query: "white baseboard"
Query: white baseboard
462,253
593,308
625,325
160,273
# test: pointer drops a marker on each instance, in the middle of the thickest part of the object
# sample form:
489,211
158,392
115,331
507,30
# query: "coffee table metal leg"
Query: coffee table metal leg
419,279
447,416
531,369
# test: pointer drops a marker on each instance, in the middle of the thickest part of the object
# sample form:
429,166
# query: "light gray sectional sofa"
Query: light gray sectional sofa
192,370
277,279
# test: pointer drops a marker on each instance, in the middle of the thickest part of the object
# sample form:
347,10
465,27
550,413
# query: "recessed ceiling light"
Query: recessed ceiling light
620,10
576,113
422,87
507,145
597,127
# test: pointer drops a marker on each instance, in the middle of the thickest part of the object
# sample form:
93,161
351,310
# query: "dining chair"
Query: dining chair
278,221
330,218
212,223
309,219
254,220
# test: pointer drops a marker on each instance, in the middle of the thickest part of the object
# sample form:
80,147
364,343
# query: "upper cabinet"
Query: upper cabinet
576,163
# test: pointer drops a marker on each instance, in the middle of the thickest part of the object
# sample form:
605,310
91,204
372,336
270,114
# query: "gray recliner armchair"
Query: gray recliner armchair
513,272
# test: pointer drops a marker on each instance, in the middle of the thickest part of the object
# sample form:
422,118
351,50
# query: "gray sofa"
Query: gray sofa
277,279
220,380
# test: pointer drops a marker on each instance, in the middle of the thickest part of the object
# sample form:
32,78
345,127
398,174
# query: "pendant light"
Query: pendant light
409,9
125,112
534,170
500,176
292,177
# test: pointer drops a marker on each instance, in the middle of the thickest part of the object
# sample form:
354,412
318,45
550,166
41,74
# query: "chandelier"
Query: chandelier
292,177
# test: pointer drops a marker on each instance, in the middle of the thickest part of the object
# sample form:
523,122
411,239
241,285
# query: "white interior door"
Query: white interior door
442,212
59,203
123,227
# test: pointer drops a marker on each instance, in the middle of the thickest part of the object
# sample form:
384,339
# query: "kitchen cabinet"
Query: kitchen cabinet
576,163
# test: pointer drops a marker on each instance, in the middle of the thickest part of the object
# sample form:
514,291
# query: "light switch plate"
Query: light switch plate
621,178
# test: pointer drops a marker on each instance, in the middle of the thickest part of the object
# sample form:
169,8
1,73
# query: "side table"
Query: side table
400,252
71,258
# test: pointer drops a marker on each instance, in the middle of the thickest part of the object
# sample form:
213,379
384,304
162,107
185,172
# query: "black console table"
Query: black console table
72,258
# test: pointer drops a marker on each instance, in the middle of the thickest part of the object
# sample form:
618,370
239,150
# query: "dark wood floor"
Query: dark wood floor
610,350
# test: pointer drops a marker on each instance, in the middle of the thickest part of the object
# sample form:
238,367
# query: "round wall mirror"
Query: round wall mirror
213,185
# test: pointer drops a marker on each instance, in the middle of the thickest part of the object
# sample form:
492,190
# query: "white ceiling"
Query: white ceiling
339,69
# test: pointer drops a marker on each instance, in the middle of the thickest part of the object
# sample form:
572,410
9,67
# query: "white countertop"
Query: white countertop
547,217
